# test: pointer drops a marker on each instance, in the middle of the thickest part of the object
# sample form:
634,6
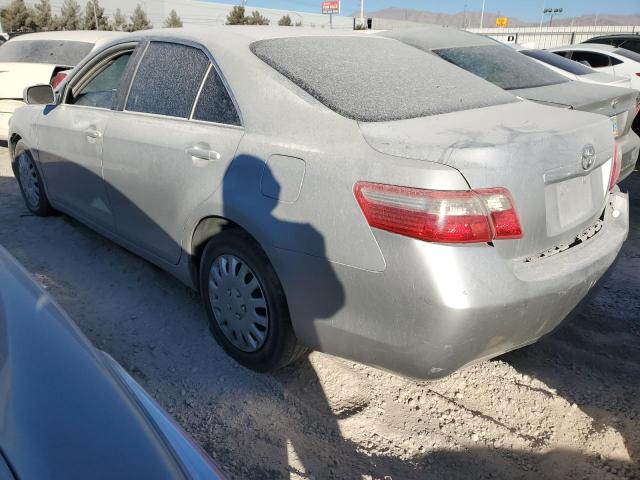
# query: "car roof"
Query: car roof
588,47
617,35
250,33
231,49
89,36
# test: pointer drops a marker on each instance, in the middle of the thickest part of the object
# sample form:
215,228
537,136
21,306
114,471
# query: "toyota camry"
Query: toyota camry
335,191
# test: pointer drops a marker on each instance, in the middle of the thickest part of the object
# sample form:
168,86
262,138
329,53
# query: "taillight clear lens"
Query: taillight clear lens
58,78
616,165
444,216
502,210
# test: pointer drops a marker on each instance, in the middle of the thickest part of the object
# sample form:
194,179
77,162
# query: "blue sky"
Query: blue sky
529,10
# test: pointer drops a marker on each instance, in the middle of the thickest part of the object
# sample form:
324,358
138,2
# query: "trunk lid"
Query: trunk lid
616,103
534,151
15,77
606,79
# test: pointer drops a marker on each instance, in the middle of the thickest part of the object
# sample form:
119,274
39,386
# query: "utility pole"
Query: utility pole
482,14
95,14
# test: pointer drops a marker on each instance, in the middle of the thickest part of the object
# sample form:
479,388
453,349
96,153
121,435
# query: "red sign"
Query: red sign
332,6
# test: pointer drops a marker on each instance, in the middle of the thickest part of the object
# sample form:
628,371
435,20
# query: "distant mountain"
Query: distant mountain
599,19
471,19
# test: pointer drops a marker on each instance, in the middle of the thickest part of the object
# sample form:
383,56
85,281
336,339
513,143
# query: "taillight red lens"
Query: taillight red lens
58,78
444,216
616,165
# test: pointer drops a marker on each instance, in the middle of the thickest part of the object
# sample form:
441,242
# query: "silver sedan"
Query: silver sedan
340,192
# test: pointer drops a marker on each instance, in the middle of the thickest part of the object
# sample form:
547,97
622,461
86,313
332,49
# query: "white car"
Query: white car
619,62
571,69
39,58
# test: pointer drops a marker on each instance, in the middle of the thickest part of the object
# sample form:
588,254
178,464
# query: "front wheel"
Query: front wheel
30,182
245,302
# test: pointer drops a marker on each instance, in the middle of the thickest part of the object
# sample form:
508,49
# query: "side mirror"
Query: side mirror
39,95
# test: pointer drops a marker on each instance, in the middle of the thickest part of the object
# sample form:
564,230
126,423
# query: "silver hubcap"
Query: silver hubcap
238,302
29,180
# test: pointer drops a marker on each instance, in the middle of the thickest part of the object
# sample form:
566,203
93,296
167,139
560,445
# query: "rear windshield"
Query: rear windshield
502,66
55,52
628,54
376,79
559,62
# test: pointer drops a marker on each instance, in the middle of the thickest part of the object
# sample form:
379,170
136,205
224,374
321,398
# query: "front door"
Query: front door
70,142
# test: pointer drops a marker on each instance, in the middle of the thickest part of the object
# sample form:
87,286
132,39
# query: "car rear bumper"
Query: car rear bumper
630,148
437,308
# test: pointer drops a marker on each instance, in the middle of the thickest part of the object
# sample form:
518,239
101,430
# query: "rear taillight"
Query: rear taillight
58,78
616,164
444,216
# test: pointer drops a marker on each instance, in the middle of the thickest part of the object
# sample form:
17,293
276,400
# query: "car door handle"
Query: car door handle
92,133
203,153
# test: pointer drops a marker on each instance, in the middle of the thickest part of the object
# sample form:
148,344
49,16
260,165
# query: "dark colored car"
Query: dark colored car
630,41
69,411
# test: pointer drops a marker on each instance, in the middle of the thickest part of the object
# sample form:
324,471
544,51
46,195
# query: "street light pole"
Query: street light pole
95,15
362,13
482,14
551,12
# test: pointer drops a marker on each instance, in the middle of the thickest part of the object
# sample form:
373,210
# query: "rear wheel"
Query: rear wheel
30,181
246,304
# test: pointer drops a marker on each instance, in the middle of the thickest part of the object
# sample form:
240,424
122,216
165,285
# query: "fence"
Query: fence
548,37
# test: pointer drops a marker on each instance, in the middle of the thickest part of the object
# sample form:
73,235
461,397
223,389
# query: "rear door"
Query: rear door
70,137
168,149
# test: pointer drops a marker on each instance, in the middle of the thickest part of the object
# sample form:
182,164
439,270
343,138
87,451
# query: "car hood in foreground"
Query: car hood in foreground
15,77
65,412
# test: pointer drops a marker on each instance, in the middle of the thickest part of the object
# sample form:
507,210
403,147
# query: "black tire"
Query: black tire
280,347
42,207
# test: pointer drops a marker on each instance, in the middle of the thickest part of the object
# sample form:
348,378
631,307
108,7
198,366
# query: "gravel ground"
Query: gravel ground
566,407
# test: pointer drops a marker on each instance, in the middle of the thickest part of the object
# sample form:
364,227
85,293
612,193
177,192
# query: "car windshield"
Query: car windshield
376,79
54,52
628,54
559,62
502,66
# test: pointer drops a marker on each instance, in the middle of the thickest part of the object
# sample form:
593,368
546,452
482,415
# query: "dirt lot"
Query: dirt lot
567,407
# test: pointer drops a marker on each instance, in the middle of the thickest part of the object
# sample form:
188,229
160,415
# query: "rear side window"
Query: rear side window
501,66
632,45
215,104
58,52
558,61
167,80
592,59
